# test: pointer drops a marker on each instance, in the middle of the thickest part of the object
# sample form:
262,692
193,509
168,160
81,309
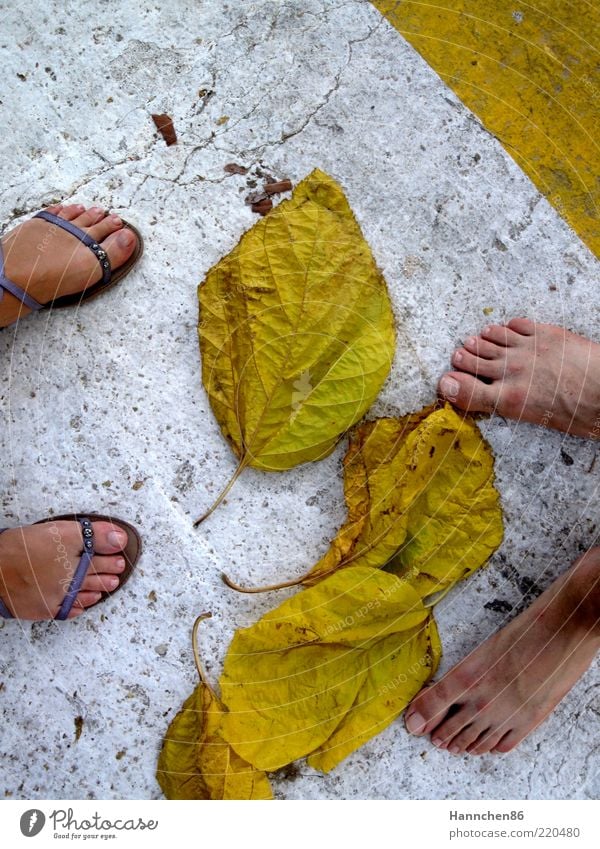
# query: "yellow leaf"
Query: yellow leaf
374,474
319,664
430,510
195,762
296,330
395,674
454,518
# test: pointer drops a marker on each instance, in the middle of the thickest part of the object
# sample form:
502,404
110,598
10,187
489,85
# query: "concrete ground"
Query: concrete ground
103,409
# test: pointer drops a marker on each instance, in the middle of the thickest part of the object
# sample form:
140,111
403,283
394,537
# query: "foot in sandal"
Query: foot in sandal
57,568
45,264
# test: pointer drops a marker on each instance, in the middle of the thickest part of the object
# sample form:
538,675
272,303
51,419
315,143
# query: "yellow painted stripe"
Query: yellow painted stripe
531,73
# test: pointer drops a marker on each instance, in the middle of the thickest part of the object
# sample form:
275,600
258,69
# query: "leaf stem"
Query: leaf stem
238,588
242,465
435,597
197,660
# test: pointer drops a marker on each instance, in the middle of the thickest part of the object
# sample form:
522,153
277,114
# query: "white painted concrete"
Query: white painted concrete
95,401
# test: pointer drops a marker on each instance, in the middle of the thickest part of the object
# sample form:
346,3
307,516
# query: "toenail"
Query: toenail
112,582
437,741
454,749
115,219
470,341
415,723
120,563
117,538
96,210
458,356
80,207
124,238
449,387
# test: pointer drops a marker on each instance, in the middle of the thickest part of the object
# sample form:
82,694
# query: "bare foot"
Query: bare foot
37,563
536,373
497,695
48,262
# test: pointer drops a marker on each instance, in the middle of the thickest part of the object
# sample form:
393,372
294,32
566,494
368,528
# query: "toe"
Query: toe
482,348
119,246
107,225
508,742
465,361
83,600
427,710
89,217
452,725
486,742
459,744
524,326
467,392
71,211
100,583
501,335
107,565
54,209
108,538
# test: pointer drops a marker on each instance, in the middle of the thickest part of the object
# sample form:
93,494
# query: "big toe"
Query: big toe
426,710
109,538
467,392
119,246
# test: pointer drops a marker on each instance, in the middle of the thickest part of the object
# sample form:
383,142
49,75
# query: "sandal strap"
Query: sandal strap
14,289
82,568
4,611
96,249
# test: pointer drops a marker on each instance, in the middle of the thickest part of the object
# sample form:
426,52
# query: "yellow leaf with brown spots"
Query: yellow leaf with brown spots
421,500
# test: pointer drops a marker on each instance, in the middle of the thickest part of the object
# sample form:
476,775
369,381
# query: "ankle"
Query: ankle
582,588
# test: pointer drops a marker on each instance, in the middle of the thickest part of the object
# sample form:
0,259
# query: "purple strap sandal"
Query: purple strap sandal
109,277
131,554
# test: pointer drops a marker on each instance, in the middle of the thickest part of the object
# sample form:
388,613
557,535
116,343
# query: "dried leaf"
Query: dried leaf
164,125
396,671
234,168
262,206
278,187
420,498
421,502
78,727
296,330
195,762
324,666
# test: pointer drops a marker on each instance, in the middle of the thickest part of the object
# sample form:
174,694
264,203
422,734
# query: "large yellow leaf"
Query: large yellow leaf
195,762
395,674
325,665
429,509
296,330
